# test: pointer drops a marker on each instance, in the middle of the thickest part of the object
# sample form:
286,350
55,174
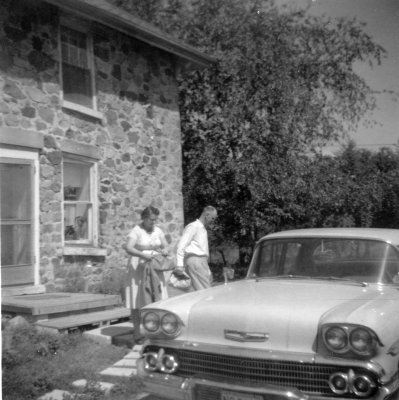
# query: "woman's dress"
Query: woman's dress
148,243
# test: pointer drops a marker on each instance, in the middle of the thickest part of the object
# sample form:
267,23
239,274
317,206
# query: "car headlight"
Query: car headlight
362,341
170,324
161,322
349,338
151,321
336,339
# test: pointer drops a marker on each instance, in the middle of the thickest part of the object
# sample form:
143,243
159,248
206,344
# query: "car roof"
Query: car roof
386,235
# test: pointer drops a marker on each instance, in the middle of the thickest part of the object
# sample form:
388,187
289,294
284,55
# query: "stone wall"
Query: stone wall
138,138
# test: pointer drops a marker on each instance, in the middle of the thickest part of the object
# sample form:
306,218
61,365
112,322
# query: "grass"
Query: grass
38,362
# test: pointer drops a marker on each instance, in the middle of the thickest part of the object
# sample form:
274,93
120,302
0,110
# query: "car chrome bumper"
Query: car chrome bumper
177,388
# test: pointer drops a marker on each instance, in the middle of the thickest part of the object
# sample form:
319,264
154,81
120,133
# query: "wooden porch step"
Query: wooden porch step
92,318
60,304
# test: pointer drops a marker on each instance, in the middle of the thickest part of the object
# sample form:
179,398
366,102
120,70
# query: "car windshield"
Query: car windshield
361,260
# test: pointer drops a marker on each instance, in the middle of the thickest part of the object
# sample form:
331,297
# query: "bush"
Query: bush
113,281
240,272
38,362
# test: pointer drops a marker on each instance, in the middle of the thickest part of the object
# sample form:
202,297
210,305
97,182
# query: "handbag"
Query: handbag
179,280
162,263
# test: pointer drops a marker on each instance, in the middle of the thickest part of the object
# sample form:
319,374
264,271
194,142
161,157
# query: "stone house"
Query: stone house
89,136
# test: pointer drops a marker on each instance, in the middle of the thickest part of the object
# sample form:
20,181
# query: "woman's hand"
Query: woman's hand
148,257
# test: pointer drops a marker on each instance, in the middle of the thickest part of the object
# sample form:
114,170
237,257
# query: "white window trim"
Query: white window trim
78,25
81,109
34,157
76,244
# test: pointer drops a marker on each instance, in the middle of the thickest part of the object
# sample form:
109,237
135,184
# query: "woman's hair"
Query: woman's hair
148,211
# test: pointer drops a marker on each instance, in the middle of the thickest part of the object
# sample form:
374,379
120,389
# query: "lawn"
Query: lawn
36,362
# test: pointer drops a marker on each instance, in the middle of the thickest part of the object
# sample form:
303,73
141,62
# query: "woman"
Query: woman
145,243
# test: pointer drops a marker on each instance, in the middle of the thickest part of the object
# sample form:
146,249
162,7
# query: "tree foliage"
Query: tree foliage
357,187
253,124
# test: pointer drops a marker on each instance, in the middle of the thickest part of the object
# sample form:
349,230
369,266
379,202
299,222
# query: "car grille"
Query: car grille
306,377
309,378
203,392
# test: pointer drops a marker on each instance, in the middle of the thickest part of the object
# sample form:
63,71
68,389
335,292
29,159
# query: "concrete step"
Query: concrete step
118,334
96,318
124,340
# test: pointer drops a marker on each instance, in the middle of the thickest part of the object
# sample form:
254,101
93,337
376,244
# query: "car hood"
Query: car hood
286,312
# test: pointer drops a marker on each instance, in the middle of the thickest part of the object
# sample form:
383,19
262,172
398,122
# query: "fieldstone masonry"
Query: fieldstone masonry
138,137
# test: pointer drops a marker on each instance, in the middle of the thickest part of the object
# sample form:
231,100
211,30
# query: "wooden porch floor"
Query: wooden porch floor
54,305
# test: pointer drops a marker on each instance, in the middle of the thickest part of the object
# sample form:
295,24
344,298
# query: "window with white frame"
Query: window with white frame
77,67
80,201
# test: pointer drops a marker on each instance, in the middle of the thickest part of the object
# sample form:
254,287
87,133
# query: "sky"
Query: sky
382,24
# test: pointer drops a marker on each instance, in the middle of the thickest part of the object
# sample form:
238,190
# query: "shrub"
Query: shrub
38,362
113,281
217,271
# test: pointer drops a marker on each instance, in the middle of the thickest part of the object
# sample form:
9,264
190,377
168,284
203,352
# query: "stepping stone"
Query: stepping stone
129,362
55,395
132,355
119,372
143,396
103,386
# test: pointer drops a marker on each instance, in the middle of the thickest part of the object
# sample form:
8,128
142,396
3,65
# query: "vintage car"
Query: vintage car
317,317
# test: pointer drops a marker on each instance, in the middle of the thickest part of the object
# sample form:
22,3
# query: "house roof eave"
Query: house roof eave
103,12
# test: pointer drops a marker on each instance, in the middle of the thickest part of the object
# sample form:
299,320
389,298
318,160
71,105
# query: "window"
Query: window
360,260
77,68
19,218
80,202
278,257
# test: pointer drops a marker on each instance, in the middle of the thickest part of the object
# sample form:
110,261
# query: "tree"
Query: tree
283,85
377,176
357,187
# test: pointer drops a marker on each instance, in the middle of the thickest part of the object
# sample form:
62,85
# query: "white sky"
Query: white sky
382,19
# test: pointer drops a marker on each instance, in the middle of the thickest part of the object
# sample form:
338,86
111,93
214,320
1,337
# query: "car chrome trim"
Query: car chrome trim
275,355
333,386
159,331
348,329
278,392
177,388
184,388
240,336
235,350
307,376
370,386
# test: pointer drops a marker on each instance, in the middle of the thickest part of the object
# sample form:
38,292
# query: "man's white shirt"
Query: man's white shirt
194,241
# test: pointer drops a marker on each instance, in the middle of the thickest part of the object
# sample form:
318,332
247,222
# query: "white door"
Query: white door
18,219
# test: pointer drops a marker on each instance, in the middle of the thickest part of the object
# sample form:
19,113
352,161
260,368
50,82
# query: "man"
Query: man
193,251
